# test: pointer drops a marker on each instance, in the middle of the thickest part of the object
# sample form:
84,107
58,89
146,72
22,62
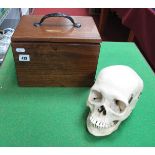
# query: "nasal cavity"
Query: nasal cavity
102,109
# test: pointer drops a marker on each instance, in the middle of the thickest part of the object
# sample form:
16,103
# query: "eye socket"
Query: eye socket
96,96
121,105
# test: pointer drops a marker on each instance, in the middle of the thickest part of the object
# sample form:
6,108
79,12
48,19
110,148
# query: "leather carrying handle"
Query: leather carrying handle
77,25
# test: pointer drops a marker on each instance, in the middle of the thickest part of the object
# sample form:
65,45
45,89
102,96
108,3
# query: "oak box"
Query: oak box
56,50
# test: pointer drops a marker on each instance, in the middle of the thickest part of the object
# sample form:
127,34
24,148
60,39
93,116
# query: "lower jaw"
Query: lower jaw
101,132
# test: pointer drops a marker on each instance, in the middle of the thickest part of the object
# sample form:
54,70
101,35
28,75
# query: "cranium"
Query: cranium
112,98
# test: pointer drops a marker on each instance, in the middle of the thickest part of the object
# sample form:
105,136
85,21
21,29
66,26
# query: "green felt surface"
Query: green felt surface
56,116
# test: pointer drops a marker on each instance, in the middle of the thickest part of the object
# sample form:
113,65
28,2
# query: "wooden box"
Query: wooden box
58,51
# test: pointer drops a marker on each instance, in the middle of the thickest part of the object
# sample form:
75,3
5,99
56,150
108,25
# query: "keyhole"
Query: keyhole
102,109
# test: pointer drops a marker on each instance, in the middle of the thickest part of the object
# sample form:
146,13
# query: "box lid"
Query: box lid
57,29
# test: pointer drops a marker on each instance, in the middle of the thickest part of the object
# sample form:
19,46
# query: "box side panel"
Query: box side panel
55,64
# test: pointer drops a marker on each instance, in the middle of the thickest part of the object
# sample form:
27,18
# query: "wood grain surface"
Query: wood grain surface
60,54
57,29
56,64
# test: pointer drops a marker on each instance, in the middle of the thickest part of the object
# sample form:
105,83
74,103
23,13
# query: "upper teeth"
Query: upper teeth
99,124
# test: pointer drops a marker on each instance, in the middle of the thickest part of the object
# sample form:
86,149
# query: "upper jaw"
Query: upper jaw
99,130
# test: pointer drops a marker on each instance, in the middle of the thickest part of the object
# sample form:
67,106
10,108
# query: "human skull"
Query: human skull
112,98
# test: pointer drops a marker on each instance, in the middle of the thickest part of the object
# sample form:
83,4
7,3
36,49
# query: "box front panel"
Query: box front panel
55,64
